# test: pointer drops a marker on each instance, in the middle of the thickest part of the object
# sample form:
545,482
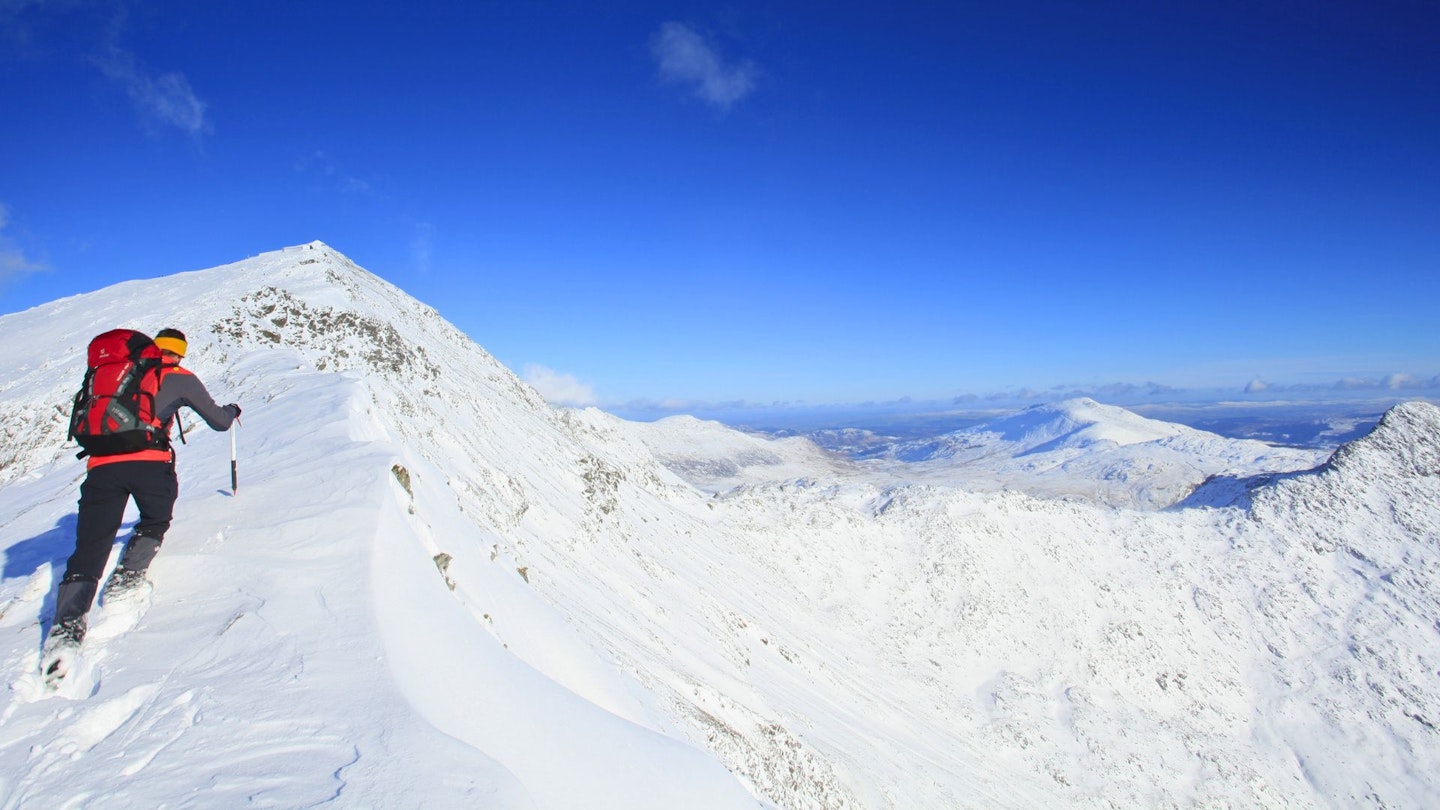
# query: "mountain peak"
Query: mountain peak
310,301
1396,465
1405,442
313,261
1079,422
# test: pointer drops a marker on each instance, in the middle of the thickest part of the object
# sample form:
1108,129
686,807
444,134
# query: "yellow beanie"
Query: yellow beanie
171,340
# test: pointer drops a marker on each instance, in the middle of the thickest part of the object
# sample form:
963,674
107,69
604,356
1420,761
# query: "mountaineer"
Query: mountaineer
134,387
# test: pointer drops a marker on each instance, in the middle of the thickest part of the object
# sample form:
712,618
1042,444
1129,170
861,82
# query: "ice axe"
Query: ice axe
234,474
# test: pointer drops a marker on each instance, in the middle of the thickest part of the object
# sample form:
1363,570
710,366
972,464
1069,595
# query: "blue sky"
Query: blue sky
699,203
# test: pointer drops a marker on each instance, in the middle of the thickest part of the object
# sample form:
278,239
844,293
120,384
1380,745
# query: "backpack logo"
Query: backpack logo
114,410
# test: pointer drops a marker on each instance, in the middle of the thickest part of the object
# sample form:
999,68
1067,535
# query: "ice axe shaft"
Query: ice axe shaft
234,472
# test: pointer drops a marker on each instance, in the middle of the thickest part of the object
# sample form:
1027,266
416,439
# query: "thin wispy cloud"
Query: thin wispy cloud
165,100
684,57
558,388
422,247
162,100
17,21
319,162
14,264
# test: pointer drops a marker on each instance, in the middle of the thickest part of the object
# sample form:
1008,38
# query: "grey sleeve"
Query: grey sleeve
182,389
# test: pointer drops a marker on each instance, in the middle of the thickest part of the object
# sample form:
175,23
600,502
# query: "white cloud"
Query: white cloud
1398,381
684,57
167,99
1255,386
558,388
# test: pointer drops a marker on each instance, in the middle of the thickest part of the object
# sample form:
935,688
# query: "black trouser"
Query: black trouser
103,497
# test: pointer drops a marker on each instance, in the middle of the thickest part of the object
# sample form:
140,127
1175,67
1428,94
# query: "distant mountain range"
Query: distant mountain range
1076,449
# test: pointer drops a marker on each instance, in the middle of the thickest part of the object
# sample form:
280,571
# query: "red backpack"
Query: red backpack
114,410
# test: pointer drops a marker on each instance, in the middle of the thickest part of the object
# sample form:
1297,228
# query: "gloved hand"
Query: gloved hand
236,408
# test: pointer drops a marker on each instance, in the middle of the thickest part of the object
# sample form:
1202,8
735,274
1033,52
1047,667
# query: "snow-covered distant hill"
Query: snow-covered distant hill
1076,449
714,458
433,589
1084,450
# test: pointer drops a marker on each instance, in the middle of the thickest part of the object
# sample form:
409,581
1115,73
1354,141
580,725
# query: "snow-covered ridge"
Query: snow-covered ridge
308,300
439,590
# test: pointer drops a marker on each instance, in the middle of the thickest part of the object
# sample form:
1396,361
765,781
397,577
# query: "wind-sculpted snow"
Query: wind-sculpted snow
435,590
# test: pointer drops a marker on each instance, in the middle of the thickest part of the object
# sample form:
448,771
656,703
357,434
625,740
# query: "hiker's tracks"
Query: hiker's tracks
95,723
128,730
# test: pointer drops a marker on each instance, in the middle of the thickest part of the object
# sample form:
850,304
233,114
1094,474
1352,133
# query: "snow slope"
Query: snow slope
435,590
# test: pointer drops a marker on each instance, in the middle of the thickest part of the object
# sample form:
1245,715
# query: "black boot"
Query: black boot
72,603
139,552
128,579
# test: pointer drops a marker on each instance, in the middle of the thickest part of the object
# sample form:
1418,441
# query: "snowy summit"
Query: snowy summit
433,589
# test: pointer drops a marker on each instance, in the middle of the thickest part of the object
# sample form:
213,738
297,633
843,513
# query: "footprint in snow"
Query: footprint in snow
92,724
